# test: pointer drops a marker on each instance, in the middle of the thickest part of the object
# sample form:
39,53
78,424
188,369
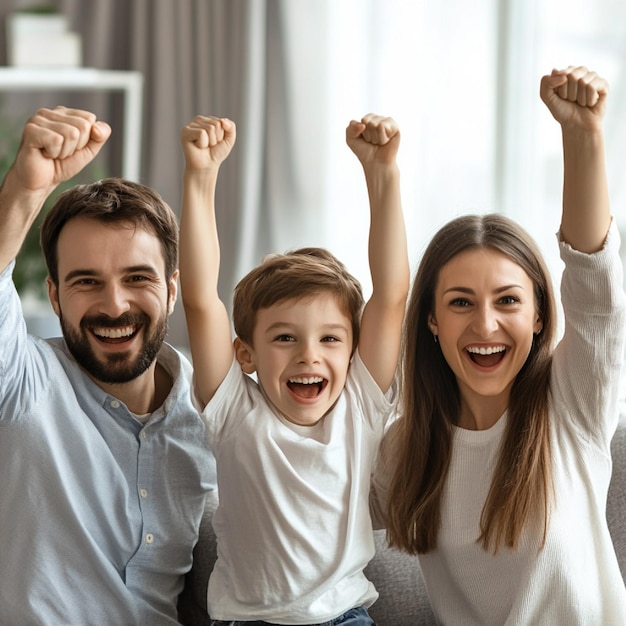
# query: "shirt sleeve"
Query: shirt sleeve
12,336
232,401
377,407
24,371
587,362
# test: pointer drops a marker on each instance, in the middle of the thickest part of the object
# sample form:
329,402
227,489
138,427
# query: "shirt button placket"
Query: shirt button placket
143,492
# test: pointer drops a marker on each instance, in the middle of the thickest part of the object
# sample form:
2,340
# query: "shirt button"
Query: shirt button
143,493
149,538
115,404
143,434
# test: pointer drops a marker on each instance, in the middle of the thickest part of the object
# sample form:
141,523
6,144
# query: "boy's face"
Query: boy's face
301,352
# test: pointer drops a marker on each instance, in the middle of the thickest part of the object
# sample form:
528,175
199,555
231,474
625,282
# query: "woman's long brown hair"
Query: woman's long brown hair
521,489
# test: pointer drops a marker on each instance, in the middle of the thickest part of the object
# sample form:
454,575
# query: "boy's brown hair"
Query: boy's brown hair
295,275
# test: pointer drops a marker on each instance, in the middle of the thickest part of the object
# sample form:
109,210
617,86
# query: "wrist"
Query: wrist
382,170
583,144
585,134
204,176
13,194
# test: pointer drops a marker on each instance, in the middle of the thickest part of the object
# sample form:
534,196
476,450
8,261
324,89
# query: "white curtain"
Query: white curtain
463,84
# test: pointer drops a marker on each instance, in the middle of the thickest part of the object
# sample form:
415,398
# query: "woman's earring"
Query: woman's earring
435,338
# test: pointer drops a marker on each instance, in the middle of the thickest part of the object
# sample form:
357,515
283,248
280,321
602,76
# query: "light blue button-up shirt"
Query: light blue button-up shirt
98,512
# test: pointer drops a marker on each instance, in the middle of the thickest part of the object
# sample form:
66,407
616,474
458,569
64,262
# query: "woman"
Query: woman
497,473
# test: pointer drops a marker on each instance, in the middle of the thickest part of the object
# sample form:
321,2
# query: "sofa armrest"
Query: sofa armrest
192,609
616,503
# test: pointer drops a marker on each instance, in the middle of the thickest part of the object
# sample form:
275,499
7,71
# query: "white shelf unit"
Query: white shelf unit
89,79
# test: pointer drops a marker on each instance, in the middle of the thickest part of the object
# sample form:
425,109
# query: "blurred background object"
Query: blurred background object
461,79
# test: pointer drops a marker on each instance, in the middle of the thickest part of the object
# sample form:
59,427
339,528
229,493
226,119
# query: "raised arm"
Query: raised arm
206,142
576,97
375,142
56,144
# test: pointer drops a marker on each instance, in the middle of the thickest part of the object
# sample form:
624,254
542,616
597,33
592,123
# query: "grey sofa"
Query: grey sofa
403,599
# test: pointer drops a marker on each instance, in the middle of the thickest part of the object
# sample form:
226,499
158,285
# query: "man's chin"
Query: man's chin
114,367
118,368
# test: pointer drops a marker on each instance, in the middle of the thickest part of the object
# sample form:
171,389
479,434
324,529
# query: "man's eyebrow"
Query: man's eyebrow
79,272
133,269
141,269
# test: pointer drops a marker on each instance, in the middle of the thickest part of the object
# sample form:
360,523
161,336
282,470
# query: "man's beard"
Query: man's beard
115,368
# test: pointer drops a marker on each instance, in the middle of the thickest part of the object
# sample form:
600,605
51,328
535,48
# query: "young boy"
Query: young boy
295,450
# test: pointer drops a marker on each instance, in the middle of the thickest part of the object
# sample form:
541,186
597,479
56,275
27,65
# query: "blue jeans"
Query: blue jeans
354,617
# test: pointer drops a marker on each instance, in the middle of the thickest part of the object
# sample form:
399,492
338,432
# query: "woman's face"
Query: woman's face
485,317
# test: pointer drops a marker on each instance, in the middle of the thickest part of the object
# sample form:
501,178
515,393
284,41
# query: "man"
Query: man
103,461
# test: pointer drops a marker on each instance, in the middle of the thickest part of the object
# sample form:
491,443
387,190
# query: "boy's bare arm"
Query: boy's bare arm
375,140
206,142
576,97
56,144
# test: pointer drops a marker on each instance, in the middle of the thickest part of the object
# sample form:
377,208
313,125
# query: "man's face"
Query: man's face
113,299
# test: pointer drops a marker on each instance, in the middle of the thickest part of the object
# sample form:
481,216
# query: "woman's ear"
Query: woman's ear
432,325
538,327
245,356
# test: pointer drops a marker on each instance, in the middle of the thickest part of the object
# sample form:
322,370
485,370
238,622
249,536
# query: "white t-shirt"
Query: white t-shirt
293,526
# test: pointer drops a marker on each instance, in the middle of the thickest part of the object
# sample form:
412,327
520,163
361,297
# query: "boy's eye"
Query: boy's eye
284,338
329,339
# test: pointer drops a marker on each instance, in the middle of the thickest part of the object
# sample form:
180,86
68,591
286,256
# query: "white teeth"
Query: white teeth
483,351
312,380
114,333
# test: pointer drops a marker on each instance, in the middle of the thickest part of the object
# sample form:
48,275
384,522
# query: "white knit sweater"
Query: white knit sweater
575,578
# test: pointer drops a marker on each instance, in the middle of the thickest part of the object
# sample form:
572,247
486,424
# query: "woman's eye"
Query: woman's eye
509,300
462,302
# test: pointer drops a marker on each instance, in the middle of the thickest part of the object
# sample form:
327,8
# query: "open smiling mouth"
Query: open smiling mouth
116,335
486,357
307,387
